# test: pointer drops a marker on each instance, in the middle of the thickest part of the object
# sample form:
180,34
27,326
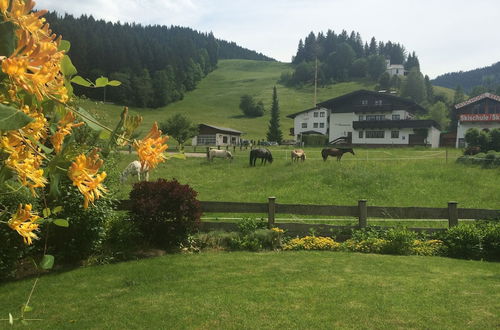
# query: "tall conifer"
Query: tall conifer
274,133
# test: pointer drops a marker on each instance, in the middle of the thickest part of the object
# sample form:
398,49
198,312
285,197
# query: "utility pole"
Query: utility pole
316,82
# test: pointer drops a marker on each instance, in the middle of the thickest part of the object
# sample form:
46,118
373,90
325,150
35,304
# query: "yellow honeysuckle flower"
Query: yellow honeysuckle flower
64,128
24,222
83,173
35,65
150,149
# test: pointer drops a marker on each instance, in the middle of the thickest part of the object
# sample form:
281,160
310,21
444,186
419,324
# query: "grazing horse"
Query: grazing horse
215,153
335,152
298,154
264,154
134,169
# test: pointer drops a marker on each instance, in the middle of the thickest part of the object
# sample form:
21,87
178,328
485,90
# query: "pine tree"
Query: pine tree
274,133
459,95
414,87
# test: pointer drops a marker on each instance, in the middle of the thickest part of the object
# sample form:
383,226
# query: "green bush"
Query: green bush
399,241
86,230
491,241
249,225
216,240
368,245
463,241
122,239
315,140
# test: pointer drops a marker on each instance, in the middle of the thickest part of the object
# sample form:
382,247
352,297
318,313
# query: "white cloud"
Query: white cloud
447,35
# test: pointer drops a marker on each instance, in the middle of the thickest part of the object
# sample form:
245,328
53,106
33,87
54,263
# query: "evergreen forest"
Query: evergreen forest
155,64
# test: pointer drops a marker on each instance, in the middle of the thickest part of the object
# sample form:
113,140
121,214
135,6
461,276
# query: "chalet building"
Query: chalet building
481,112
395,69
209,135
367,118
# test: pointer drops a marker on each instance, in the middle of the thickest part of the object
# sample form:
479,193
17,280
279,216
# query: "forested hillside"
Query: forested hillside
344,56
156,64
488,77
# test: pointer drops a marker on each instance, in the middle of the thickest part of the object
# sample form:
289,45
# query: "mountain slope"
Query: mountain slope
216,99
489,75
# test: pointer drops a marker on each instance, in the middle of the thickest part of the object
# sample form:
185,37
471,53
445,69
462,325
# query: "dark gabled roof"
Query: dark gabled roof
224,129
293,115
330,104
478,98
406,123
335,101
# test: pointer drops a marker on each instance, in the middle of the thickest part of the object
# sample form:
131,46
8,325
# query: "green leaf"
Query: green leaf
47,262
45,149
7,38
12,118
57,209
114,83
104,135
101,82
26,308
61,223
81,81
46,212
67,67
54,191
89,119
64,45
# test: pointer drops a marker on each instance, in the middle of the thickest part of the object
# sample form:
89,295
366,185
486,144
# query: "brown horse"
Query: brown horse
298,154
335,152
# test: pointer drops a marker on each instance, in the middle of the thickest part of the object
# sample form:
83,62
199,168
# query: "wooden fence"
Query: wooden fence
362,211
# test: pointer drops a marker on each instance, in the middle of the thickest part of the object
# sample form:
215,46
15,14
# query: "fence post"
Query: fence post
362,213
452,214
271,212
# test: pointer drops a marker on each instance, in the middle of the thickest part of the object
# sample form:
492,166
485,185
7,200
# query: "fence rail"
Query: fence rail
362,211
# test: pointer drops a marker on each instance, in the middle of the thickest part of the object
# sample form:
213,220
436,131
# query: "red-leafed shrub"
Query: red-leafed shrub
165,211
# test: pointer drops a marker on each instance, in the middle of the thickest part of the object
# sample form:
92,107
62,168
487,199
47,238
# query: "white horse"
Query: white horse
214,153
134,169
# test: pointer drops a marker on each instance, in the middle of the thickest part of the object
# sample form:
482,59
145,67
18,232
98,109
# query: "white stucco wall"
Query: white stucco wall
433,137
341,124
308,117
464,126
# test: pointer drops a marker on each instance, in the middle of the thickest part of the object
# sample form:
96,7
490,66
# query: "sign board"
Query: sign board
480,117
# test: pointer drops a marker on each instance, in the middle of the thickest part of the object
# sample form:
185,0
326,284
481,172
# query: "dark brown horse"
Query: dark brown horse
264,154
335,152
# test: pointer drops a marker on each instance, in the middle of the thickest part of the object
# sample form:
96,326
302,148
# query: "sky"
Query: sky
447,35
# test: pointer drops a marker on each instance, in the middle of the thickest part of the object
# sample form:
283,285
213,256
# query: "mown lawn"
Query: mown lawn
243,290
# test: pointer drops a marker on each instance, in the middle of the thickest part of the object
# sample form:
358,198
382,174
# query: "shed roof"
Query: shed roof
223,129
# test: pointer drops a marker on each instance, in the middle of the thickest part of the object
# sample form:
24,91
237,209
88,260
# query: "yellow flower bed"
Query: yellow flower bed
427,248
312,243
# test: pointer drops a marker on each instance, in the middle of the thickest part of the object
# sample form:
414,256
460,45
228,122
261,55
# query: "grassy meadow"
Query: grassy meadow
216,99
269,290
385,177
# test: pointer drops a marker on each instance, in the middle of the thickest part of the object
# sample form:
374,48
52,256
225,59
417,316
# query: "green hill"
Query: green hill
216,99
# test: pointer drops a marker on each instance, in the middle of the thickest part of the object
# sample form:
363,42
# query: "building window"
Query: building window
394,134
364,102
304,125
360,117
224,139
315,125
315,114
360,134
205,140
375,117
321,114
396,117
321,125
375,134
378,102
